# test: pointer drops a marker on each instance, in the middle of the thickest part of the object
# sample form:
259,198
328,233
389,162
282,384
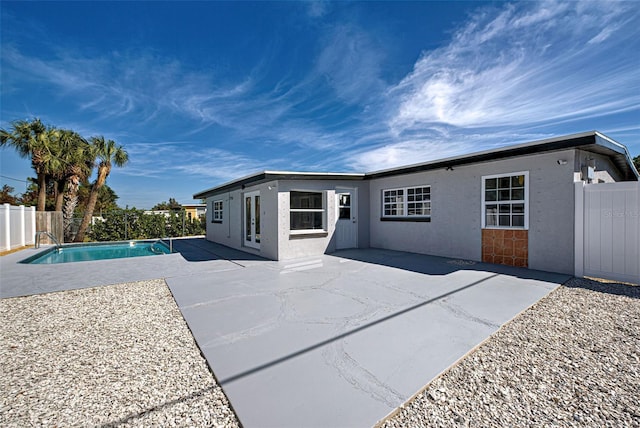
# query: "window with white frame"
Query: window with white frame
216,209
505,201
409,202
307,211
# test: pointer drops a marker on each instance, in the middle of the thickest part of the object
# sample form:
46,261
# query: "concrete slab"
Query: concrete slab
197,257
344,339
336,340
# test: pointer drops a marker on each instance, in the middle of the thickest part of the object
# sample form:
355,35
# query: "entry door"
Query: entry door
346,219
252,219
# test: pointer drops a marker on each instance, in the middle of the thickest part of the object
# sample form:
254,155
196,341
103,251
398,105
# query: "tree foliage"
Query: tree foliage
36,141
172,205
132,223
636,162
63,160
6,196
107,153
106,200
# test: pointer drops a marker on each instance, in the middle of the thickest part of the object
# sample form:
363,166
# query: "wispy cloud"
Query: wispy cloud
350,62
517,66
157,159
525,64
318,9
511,73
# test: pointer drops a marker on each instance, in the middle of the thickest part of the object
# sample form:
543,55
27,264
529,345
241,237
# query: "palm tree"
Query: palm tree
72,157
35,140
75,159
108,153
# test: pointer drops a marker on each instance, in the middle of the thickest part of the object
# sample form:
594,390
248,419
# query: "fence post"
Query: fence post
578,238
6,245
23,227
33,222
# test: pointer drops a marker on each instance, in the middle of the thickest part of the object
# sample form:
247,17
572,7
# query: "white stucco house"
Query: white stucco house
513,205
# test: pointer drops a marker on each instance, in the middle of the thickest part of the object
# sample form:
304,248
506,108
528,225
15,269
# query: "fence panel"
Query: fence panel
5,232
50,221
17,226
29,226
611,231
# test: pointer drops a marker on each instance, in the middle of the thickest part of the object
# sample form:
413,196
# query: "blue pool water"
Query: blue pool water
98,251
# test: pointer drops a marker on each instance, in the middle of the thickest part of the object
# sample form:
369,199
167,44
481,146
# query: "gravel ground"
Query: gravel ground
118,355
573,359
123,355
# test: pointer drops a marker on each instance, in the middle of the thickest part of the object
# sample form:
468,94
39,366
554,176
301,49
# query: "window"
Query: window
505,201
344,206
407,202
307,210
216,212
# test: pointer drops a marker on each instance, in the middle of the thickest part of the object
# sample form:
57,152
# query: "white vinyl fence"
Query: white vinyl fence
17,226
607,231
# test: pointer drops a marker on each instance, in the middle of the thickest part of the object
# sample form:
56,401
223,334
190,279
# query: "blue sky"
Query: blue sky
201,93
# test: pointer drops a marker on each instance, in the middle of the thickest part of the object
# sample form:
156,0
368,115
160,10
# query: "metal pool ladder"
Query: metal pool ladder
162,240
48,234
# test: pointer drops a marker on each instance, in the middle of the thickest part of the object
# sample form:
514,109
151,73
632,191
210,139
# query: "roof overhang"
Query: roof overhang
592,141
264,176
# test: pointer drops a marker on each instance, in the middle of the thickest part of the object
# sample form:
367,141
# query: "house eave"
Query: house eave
264,176
591,141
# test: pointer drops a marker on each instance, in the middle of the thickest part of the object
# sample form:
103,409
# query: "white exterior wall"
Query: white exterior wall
230,231
276,241
605,171
294,246
456,212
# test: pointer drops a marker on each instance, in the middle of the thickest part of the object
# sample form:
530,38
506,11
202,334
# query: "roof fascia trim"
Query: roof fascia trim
277,175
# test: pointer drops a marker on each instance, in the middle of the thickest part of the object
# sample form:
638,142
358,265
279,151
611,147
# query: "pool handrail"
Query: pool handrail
163,241
48,234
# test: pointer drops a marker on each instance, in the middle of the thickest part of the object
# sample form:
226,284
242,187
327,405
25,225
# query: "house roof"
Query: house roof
264,176
592,141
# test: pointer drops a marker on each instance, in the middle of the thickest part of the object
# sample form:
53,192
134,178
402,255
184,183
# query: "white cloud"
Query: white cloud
350,62
317,9
524,66
519,67
528,63
438,143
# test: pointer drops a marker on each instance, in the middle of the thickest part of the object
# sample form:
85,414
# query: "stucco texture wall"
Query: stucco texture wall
456,212
294,246
230,231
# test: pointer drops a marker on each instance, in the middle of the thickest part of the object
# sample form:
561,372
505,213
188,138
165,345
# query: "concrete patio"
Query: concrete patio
336,340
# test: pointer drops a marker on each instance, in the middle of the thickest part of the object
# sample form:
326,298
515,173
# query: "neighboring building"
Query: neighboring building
195,210
191,211
165,213
513,205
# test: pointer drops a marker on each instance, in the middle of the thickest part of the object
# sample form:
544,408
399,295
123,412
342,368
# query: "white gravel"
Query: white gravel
122,355
573,359
114,355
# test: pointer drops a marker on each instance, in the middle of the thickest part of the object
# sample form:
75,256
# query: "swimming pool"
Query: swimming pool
98,251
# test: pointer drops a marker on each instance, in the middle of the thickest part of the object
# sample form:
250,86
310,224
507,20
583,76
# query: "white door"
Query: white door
252,219
346,219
